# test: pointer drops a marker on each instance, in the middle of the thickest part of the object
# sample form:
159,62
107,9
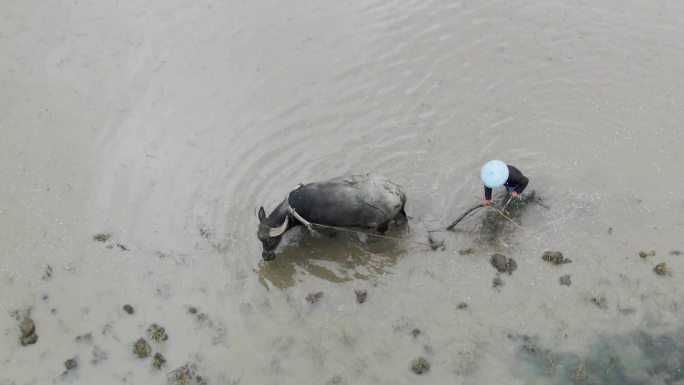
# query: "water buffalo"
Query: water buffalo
367,201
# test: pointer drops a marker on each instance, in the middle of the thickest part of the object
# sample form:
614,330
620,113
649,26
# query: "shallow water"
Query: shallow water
168,124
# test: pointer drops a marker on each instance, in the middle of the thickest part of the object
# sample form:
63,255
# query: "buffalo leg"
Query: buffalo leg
383,227
401,218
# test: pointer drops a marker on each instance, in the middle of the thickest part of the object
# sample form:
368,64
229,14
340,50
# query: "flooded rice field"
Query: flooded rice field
139,139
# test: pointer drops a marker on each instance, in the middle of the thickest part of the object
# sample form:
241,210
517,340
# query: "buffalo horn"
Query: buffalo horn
278,231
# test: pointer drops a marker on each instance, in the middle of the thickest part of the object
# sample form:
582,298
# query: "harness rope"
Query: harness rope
368,234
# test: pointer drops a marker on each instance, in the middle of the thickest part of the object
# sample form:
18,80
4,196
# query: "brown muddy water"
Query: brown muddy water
166,124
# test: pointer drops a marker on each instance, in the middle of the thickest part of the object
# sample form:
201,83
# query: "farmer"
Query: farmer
496,173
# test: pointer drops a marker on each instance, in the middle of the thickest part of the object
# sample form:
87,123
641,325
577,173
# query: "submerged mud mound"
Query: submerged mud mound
636,358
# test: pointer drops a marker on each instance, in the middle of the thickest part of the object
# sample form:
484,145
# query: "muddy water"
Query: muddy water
167,124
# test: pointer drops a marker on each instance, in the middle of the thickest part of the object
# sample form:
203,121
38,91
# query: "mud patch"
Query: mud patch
85,338
600,302
186,375
141,348
555,257
503,264
157,333
28,331
101,237
646,254
420,366
361,295
662,269
158,361
466,251
314,297
71,364
565,280
99,355
48,273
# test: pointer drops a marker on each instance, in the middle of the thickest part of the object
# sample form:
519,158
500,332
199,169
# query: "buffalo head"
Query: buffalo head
270,232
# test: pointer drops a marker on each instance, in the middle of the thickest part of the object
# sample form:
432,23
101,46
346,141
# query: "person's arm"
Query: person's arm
517,177
522,184
488,196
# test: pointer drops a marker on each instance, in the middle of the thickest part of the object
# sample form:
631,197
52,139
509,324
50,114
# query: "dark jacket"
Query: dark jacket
516,180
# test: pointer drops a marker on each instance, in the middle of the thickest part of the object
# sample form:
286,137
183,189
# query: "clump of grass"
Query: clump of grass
158,361
141,348
420,366
314,297
644,254
662,269
157,333
187,375
555,257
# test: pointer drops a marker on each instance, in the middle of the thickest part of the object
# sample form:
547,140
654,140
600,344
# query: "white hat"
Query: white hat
494,173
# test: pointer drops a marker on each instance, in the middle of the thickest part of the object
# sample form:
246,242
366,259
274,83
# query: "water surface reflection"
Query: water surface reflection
345,257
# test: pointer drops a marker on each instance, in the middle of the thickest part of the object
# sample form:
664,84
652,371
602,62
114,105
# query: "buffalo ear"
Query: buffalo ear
261,214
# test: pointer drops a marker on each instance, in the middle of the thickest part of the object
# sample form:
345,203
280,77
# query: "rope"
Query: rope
369,234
